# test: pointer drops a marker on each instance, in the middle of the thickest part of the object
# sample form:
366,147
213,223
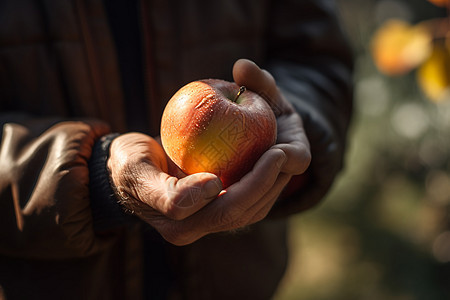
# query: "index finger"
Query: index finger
293,141
231,209
231,206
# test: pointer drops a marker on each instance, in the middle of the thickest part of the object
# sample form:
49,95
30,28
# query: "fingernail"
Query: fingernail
281,161
212,188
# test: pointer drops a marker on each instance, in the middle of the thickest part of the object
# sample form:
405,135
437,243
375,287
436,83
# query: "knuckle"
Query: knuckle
227,217
300,161
177,236
174,212
264,184
260,215
173,238
242,222
177,205
233,218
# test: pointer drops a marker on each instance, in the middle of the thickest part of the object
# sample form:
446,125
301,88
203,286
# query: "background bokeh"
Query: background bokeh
383,232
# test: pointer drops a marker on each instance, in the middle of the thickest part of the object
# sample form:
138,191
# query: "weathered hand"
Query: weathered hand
185,208
152,187
181,208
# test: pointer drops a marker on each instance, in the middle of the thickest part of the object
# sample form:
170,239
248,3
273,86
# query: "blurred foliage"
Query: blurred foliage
383,232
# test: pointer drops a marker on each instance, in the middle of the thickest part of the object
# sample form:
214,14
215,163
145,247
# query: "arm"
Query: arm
44,195
309,94
312,65
185,208
152,190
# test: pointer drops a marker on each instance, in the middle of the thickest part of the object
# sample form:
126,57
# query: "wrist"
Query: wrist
106,211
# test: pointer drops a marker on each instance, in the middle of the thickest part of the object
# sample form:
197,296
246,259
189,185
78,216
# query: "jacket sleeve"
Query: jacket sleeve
44,188
312,64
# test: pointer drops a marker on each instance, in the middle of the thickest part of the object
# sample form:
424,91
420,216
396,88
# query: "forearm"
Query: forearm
44,195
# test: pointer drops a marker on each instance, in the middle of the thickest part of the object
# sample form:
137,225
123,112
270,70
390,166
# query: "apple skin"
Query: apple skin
204,130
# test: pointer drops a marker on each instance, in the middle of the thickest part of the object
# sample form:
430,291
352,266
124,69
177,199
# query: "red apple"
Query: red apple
218,127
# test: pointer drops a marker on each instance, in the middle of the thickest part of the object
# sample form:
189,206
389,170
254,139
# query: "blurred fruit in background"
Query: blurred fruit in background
442,3
434,74
399,47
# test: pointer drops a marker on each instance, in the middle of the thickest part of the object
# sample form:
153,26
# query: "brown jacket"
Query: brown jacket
61,90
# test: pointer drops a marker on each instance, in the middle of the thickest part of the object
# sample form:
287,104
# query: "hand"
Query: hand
150,186
250,200
291,137
185,208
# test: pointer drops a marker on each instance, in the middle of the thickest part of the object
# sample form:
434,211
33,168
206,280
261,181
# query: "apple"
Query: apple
216,126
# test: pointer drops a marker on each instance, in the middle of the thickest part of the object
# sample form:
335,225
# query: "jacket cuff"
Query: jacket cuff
107,213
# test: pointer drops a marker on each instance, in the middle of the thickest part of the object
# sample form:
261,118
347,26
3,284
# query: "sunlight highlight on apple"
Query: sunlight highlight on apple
218,127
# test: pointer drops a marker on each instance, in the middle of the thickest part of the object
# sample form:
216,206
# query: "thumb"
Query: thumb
184,197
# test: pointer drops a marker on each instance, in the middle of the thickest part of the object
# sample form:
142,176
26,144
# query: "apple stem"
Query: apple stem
241,90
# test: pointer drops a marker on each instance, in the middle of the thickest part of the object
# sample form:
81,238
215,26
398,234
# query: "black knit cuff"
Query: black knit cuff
107,213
